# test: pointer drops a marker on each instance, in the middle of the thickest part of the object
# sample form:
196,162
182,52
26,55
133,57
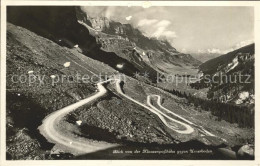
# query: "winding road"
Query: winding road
48,130
176,115
161,115
156,111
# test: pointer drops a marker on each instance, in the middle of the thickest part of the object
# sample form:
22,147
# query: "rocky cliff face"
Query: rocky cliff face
99,38
50,23
117,37
99,23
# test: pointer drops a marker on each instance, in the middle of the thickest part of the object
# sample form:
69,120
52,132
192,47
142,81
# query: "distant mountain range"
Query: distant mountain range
203,57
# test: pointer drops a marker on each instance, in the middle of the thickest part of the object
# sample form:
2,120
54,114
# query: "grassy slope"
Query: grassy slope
27,51
180,106
28,105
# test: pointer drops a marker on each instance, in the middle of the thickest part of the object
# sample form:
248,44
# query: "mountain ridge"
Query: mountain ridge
71,34
150,48
230,77
204,67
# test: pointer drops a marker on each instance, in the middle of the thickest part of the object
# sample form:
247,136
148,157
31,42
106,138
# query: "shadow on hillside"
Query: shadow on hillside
49,22
26,114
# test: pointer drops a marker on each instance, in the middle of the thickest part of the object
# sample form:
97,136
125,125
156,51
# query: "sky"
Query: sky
188,29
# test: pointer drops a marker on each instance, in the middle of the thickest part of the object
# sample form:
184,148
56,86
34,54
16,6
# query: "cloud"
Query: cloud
156,28
184,50
163,23
161,33
128,18
219,51
169,34
244,43
214,51
158,32
210,51
239,45
146,22
161,30
201,51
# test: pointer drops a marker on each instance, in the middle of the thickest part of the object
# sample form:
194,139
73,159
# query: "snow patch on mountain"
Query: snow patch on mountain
233,64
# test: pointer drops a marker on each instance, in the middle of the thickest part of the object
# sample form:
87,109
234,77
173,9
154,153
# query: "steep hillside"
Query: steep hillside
28,103
120,120
49,22
214,65
129,42
119,45
230,77
49,54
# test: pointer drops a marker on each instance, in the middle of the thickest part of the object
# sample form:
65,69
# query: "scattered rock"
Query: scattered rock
246,152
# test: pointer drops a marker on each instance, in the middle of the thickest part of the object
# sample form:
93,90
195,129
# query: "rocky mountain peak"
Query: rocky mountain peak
125,38
99,23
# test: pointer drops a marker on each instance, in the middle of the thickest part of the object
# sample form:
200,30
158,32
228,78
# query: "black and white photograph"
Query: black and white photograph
86,82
